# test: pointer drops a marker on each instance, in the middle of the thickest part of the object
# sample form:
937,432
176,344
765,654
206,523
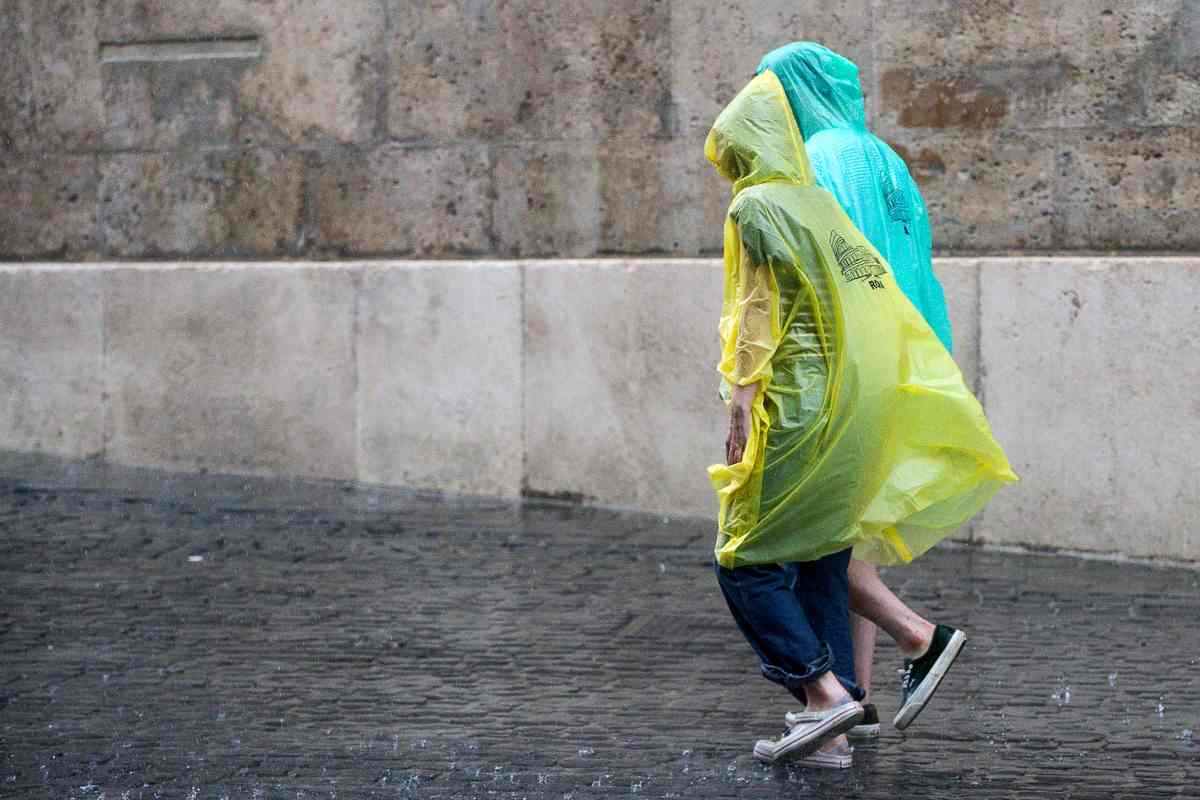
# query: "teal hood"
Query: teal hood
822,87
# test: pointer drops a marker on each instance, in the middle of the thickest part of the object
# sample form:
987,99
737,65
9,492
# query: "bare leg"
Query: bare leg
863,632
870,598
825,693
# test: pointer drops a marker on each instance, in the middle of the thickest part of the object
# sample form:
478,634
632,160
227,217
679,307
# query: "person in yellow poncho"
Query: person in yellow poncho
851,428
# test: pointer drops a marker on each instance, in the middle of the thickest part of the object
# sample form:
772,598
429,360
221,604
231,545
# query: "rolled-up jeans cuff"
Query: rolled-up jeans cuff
791,680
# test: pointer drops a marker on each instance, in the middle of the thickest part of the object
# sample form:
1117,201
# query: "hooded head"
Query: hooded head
756,140
822,87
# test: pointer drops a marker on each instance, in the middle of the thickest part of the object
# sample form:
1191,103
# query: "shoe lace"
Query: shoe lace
906,679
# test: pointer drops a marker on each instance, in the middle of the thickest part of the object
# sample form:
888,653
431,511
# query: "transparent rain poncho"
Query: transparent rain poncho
863,433
869,180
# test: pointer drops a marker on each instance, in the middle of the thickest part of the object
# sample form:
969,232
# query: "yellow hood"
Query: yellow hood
756,139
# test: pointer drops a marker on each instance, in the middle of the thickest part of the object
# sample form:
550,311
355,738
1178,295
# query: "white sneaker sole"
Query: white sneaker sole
925,691
826,760
863,732
804,739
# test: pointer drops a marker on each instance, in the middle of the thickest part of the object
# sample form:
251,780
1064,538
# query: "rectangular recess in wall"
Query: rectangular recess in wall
243,47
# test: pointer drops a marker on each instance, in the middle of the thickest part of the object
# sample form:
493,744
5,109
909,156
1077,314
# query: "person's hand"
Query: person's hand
739,422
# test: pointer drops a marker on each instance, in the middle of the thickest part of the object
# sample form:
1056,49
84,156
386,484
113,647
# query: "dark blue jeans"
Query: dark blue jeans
796,616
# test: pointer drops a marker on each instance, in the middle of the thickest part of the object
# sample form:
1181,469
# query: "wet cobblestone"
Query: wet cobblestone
355,643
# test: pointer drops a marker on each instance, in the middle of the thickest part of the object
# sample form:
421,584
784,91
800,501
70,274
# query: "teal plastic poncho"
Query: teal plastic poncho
870,182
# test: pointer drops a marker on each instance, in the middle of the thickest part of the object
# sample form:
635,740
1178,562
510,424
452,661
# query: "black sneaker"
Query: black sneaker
922,675
868,726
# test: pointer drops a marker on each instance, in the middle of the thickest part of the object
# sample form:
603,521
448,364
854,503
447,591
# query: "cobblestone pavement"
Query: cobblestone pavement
350,643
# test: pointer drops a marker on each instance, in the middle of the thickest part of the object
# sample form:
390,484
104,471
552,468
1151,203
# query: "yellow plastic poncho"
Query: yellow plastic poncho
863,433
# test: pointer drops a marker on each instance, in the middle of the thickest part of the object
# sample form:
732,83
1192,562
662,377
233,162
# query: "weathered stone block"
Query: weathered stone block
16,78
669,200
1168,77
190,104
620,196
960,282
201,203
1060,88
980,96
1128,190
985,190
320,78
547,199
51,361
1090,375
1152,344
1065,189
951,32
522,69
1042,327
66,74
262,201
636,198
1033,64
439,377
47,206
621,400
404,200
247,369
715,48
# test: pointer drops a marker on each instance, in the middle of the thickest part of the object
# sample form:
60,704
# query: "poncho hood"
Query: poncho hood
822,87
756,140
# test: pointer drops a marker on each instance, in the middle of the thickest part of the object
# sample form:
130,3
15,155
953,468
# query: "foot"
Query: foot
867,727
810,730
923,675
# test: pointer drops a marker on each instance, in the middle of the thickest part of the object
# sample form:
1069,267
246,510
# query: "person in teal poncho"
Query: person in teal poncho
873,186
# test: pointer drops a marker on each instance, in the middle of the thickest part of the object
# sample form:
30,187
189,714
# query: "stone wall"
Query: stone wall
590,380
333,128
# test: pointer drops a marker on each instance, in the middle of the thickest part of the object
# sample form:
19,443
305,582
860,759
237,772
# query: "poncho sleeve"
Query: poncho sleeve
750,323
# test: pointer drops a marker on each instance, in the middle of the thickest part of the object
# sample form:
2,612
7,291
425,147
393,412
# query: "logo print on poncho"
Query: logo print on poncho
856,261
899,208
